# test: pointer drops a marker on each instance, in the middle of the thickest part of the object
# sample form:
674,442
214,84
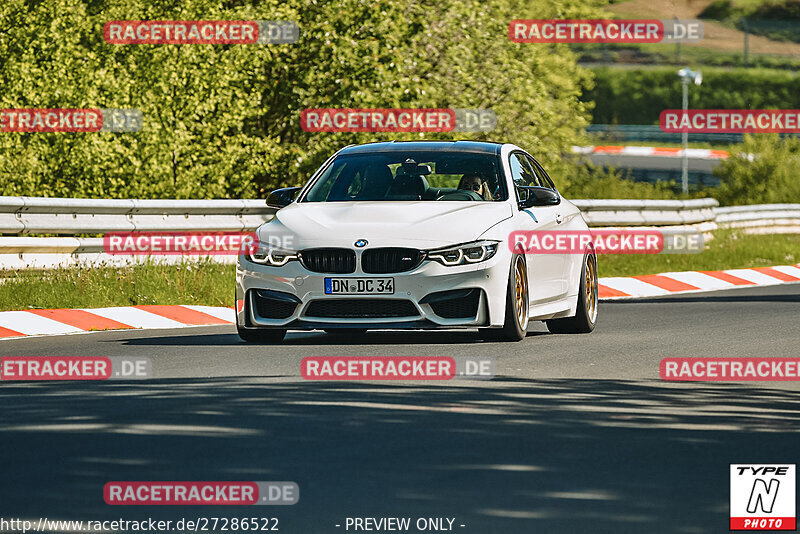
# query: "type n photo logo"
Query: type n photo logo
763,497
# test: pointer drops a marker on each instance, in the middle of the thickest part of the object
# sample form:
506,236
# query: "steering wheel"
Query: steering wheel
463,194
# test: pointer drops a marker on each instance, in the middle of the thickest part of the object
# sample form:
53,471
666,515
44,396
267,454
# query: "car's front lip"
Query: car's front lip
429,277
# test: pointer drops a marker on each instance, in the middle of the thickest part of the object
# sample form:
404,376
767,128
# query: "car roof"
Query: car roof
480,147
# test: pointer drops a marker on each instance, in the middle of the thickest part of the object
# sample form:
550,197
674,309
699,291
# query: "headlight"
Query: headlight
464,254
266,254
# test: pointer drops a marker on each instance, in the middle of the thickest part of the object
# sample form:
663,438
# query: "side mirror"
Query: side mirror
282,197
531,196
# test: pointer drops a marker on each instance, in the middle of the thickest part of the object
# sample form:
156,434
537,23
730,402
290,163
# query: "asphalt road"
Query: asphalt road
576,434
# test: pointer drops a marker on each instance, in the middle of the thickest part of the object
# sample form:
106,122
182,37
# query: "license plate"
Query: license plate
359,286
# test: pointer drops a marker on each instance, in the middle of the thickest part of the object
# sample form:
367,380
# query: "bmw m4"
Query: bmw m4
415,235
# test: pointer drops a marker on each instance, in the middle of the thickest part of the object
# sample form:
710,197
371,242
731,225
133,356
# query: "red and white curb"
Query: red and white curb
654,285
43,322
694,153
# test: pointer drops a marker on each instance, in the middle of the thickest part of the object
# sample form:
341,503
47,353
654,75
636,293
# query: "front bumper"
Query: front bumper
428,297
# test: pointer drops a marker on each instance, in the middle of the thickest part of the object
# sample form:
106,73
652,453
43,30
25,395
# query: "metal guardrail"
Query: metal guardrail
652,132
70,216
647,212
762,219
648,132
66,216
21,253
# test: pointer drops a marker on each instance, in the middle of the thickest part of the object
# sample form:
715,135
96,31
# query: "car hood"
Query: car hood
423,224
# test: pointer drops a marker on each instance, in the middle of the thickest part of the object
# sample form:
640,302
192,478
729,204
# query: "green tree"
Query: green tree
638,96
763,170
224,120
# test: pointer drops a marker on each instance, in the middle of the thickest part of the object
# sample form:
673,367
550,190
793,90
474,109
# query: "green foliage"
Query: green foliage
590,181
718,9
775,19
649,55
766,9
778,10
637,96
223,120
763,170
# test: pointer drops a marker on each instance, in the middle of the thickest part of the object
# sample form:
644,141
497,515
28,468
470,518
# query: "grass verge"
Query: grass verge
211,284
204,283
728,250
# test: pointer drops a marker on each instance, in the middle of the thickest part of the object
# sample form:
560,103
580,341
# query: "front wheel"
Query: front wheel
586,314
261,335
515,326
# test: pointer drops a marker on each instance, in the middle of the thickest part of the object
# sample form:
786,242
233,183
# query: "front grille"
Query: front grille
329,260
274,304
362,308
390,260
456,304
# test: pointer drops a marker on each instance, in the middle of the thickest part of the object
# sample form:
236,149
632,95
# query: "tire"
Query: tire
585,317
517,316
261,335
346,331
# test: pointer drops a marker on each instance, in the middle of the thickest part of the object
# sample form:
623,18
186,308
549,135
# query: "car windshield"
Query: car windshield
410,176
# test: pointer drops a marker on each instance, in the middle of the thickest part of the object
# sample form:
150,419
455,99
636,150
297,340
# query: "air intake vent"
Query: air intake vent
329,260
274,304
362,308
390,260
454,304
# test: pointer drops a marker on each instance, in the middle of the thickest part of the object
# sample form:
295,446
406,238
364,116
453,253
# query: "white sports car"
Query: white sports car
415,235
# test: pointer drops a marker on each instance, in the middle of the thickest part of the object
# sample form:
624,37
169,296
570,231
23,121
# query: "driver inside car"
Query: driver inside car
473,182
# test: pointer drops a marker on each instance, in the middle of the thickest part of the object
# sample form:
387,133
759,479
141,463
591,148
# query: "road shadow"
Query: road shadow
505,456
321,339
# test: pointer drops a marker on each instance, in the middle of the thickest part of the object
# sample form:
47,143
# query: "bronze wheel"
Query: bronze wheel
521,303
590,268
517,312
585,316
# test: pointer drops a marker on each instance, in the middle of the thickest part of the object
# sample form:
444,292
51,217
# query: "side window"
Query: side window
521,171
516,170
531,169
544,179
